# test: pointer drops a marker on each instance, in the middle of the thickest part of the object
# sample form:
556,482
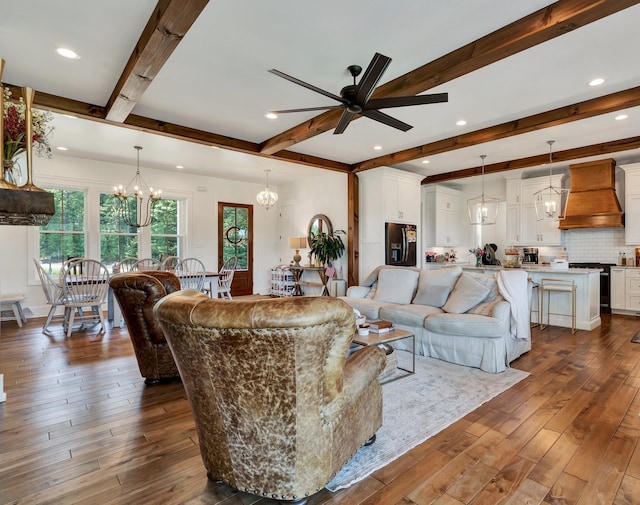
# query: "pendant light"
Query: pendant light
266,197
483,209
551,202
139,215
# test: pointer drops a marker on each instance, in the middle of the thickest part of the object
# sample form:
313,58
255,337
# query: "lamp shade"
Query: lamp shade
297,242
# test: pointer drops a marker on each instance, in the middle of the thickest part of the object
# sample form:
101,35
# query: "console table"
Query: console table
299,283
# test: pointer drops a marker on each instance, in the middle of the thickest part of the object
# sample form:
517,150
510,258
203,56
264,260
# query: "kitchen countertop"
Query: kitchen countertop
538,268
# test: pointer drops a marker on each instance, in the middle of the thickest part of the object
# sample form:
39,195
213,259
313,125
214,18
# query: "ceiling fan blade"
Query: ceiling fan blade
306,109
381,117
371,76
307,85
345,119
403,101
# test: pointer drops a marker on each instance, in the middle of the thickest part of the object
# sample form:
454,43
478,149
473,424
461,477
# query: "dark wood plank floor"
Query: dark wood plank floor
80,426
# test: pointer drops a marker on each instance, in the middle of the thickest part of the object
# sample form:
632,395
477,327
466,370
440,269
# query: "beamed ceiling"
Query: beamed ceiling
181,76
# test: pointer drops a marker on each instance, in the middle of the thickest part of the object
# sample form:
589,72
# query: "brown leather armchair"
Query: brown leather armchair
278,407
137,293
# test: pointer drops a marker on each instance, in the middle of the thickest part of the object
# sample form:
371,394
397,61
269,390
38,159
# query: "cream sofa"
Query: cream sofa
460,317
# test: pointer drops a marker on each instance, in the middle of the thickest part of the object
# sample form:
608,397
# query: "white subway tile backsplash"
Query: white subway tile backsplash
596,244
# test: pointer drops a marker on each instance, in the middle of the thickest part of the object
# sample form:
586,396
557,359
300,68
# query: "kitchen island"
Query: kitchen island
587,282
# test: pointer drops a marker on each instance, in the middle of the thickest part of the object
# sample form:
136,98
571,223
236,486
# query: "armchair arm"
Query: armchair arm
362,368
358,291
502,312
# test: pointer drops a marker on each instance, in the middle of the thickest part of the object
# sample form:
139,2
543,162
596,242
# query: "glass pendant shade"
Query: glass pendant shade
551,202
266,197
483,209
135,202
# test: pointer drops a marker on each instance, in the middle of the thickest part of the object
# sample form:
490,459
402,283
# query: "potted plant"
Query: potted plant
327,247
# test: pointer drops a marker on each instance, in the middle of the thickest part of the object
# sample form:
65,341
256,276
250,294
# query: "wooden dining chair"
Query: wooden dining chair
84,290
191,272
226,277
169,263
125,265
147,264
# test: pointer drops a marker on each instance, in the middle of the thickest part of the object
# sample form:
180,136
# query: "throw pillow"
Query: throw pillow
467,293
396,285
435,296
434,286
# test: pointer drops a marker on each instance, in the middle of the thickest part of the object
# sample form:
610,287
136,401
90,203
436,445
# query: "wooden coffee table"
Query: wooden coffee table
385,338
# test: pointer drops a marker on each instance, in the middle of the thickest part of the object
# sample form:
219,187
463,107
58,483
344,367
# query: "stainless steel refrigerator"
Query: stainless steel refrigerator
400,244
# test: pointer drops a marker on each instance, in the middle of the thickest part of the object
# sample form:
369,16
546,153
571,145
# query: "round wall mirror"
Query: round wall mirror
319,224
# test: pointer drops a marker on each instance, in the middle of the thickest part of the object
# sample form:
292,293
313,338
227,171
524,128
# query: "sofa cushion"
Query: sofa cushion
469,325
434,286
466,294
368,308
488,280
396,285
408,315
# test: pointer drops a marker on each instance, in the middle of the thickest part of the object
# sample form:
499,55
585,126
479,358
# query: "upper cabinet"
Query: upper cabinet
387,195
632,204
441,216
523,227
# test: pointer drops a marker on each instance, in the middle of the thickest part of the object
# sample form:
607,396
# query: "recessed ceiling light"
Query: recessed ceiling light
621,117
596,82
426,162
70,116
377,148
215,147
462,122
179,167
62,148
68,53
271,115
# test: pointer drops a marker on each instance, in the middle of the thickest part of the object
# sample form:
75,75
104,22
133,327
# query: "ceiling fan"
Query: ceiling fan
355,98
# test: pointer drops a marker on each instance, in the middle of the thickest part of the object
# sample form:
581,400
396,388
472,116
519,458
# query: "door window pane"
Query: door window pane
235,235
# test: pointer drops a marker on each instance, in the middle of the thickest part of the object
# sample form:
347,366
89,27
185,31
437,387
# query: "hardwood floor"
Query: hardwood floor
80,426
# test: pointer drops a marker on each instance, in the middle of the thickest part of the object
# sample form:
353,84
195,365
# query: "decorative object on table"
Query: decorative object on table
297,243
512,258
478,252
551,202
483,209
489,256
266,197
140,214
327,247
452,256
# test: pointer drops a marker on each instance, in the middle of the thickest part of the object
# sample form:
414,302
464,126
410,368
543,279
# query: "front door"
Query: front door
235,238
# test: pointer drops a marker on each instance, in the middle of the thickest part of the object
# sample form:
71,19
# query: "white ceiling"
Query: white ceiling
217,79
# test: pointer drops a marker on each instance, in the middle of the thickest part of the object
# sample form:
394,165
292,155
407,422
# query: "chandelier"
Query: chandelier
139,214
266,197
483,209
551,202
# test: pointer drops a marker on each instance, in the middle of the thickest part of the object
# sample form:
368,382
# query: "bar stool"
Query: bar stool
557,286
533,295
14,302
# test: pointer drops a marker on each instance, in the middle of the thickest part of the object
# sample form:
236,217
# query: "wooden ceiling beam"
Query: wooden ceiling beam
545,24
604,148
166,27
562,115
53,103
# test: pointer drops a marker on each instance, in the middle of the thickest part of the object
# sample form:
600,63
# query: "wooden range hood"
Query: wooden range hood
592,200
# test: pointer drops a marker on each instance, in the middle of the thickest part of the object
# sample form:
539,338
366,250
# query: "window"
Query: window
117,239
64,236
165,230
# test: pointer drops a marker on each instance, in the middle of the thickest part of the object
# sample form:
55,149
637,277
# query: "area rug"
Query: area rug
417,407
636,338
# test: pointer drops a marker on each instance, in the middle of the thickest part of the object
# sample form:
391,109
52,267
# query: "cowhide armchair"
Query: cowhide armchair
137,293
278,407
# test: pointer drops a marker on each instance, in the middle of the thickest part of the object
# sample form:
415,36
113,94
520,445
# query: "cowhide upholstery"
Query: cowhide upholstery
137,293
278,407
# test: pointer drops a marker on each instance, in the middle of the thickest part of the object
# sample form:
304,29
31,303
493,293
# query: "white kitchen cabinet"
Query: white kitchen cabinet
618,288
513,224
513,192
632,295
386,195
441,216
632,204
532,231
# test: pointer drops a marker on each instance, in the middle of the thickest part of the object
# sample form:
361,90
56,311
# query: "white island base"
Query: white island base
587,282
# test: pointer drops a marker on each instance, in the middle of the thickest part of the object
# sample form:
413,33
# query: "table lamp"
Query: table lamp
297,243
